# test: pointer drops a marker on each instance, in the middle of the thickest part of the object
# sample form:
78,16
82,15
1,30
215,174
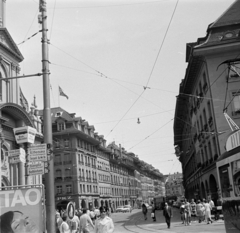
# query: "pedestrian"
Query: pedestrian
208,212
212,205
85,221
203,203
199,209
187,213
182,211
144,210
153,215
74,223
64,228
167,213
58,221
104,224
193,209
92,215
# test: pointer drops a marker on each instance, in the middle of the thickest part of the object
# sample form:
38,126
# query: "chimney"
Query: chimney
2,13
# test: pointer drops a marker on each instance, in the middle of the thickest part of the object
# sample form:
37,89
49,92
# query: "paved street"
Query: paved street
134,222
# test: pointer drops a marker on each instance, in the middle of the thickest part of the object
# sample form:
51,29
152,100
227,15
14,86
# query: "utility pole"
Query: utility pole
47,123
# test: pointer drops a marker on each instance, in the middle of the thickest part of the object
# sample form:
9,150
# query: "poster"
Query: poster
21,210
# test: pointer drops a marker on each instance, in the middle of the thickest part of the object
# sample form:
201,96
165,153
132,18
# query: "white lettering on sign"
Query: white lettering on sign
13,197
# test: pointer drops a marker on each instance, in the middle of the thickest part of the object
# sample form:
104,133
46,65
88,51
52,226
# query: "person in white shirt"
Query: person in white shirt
207,212
64,228
85,221
104,224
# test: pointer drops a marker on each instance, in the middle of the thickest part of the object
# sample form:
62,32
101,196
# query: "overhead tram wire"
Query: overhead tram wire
54,8
146,86
162,44
151,134
116,5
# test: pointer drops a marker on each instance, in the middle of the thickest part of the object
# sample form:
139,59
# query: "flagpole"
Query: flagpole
58,97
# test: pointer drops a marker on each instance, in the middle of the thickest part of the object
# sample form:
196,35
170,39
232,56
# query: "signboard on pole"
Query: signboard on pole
25,134
24,206
35,168
37,152
17,156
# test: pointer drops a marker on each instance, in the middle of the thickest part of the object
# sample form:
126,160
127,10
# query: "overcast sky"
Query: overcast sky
103,54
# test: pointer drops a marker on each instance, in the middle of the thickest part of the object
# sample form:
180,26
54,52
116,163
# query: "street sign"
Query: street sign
36,168
17,156
37,152
25,134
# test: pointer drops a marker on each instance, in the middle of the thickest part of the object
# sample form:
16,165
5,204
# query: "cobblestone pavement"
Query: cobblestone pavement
135,223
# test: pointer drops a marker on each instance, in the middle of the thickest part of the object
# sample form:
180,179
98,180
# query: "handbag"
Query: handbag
152,215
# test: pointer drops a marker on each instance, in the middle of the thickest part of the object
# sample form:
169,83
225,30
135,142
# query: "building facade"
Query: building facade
14,110
208,94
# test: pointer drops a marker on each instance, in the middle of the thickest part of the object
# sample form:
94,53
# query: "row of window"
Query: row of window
89,161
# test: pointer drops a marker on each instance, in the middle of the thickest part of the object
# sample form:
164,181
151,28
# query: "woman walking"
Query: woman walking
187,213
199,209
104,224
144,210
208,212
153,215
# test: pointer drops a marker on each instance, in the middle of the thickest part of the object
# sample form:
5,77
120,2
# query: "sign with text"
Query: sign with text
25,208
17,156
25,134
35,168
37,152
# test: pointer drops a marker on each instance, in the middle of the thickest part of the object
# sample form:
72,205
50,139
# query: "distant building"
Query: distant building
174,185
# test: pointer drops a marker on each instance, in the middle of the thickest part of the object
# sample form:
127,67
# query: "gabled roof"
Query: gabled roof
8,45
229,17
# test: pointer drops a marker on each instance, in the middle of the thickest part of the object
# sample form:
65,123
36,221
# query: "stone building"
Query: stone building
209,91
14,109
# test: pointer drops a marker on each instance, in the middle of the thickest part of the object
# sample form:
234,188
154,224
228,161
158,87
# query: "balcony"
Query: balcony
81,162
58,179
82,178
57,163
87,164
68,178
67,162
94,166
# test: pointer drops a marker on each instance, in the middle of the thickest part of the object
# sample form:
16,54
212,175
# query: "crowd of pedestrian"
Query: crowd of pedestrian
202,210
98,219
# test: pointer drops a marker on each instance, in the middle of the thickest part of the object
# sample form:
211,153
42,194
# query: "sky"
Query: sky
117,61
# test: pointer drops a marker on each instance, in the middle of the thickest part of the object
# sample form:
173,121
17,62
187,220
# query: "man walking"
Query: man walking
85,220
167,213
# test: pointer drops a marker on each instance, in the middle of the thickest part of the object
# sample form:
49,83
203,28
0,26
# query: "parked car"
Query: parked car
127,208
119,209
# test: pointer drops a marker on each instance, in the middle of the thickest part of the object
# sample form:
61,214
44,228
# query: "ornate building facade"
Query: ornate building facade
207,95
14,109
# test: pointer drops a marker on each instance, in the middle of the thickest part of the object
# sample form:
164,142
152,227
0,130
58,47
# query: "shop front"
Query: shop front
228,170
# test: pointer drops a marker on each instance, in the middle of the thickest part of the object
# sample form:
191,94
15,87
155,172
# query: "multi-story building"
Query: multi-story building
75,160
174,185
104,175
122,176
209,91
14,109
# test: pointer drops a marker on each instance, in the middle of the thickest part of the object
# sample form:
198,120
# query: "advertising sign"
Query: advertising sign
37,153
21,210
35,168
70,210
25,134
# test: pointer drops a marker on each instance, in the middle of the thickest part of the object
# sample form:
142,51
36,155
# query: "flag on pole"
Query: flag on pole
62,93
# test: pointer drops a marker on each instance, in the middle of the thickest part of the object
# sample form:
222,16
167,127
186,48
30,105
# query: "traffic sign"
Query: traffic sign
36,168
37,152
17,156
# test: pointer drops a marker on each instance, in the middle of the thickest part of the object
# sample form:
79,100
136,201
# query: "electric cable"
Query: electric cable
151,134
162,43
54,8
115,5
